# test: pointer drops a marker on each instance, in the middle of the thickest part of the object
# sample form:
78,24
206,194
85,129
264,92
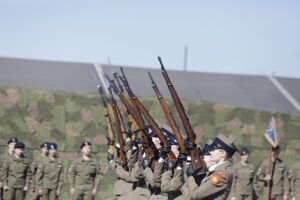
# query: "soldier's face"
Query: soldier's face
275,154
217,155
156,142
19,152
45,151
208,160
52,152
11,146
86,150
245,158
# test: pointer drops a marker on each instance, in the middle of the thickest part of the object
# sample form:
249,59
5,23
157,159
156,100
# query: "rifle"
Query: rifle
148,117
122,156
197,161
110,134
147,142
169,116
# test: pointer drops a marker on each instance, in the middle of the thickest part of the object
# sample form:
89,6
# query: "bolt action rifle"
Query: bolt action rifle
169,116
122,156
110,134
197,162
148,117
146,140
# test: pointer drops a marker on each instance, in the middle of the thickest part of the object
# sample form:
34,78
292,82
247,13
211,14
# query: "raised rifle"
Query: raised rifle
149,118
147,142
169,116
110,134
122,156
197,161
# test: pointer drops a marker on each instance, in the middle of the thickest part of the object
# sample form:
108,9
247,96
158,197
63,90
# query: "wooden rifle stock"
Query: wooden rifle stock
151,121
122,157
110,134
147,141
197,161
169,116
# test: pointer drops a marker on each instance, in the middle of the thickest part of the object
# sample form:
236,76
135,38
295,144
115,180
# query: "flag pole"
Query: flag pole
270,170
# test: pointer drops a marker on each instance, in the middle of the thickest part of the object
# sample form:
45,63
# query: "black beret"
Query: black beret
223,142
19,145
244,151
11,140
86,143
45,144
52,146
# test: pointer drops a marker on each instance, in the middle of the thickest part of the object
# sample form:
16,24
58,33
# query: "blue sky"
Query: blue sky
229,36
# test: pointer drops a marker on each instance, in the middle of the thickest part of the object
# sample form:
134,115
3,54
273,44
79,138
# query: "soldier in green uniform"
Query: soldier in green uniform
218,180
50,175
279,180
5,156
294,175
16,175
243,178
38,160
84,175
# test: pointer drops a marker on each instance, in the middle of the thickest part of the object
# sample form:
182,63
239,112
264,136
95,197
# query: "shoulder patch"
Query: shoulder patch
215,180
222,174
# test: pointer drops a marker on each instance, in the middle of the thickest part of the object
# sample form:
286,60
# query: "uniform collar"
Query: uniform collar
218,166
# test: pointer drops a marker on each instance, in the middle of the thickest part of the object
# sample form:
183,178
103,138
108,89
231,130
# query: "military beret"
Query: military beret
244,151
223,142
44,145
86,143
11,140
52,146
207,147
19,145
149,131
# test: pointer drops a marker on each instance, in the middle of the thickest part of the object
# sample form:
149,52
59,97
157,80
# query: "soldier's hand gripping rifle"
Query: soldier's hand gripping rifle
197,162
169,116
110,134
147,143
149,118
122,156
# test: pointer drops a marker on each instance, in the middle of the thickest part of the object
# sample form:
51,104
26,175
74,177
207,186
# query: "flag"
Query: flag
270,133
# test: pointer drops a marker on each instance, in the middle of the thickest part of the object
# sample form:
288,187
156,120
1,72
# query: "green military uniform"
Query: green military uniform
16,175
154,180
279,182
50,177
294,176
171,182
215,186
122,187
4,157
84,175
243,181
38,160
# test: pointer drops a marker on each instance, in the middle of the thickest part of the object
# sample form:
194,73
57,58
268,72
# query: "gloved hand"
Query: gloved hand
181,158
191,171
171,164
146,162
163,151
189,145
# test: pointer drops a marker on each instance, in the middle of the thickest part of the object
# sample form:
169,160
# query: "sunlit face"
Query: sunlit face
174,149
208,160
217,155
11,146
245,158
45,151
19,152
86,150
52,152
